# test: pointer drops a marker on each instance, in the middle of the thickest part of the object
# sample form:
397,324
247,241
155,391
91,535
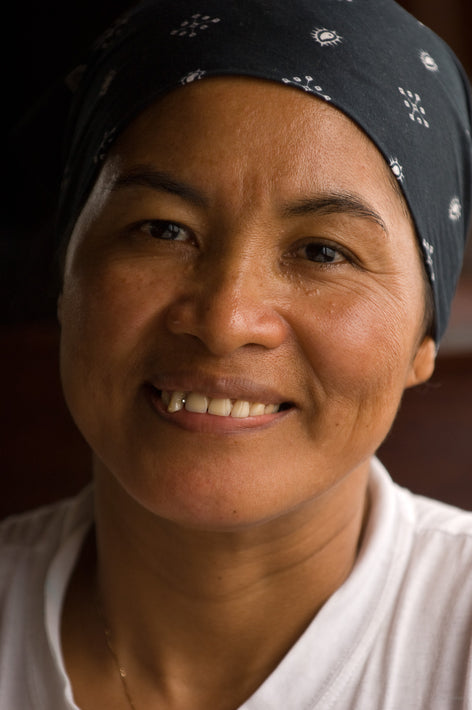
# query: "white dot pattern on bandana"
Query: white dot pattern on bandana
455,209
113,32
372,60
198,22
192,76
412,102
428,61
326,38
106,84
429,251
397,169
107,140
307,85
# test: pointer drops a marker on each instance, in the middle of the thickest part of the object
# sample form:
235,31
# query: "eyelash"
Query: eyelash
162,225
330,254
336,254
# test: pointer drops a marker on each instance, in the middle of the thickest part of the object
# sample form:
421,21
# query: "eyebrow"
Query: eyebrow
327,203
335,203
145,176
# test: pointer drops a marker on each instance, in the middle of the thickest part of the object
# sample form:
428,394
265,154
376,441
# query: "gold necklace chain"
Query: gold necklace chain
121,669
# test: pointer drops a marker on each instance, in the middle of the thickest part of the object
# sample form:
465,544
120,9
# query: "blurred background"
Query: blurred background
42,456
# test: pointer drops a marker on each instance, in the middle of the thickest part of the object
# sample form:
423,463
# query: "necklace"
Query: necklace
121,669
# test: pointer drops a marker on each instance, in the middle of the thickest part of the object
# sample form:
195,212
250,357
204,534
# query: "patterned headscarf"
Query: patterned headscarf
370,58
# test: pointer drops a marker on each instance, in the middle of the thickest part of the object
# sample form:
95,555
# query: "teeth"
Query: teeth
240,409
256,409
176,402
196,403
219,406
271,408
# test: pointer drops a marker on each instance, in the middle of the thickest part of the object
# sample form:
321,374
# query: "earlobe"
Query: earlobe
422,366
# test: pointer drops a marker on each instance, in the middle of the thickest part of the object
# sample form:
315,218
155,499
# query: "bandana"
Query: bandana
370,58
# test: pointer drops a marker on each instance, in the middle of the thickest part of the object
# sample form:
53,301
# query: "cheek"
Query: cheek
107,307
359,344
110,316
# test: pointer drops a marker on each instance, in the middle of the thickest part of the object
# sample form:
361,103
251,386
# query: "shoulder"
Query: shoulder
425,517
57,519
422,645
36,553
440,559
432,543
30,540
435,520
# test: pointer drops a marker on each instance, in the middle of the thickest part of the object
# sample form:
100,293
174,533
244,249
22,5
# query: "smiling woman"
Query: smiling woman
242,276
248,275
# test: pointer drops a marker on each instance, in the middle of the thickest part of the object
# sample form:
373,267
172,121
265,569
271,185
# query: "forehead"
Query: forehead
248,137
225,114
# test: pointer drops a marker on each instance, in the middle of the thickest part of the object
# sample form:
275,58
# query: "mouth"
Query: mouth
199,403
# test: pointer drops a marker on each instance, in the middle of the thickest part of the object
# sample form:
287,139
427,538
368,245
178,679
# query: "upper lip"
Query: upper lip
218,386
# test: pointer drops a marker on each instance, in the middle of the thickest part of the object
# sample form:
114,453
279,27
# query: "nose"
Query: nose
227,306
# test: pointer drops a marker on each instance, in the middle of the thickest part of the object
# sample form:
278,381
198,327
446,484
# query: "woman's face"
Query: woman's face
244,242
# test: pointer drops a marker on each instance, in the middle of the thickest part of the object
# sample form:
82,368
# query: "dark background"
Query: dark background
42,456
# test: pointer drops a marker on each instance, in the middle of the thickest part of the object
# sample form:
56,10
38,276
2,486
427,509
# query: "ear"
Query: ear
422,366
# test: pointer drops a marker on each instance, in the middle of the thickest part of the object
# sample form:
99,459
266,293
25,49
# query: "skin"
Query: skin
214,521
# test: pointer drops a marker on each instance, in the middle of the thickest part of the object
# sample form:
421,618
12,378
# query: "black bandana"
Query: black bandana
370,58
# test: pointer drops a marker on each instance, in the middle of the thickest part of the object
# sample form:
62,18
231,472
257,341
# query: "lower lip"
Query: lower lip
212,423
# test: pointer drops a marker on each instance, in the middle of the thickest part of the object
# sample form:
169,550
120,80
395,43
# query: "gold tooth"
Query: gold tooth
176,402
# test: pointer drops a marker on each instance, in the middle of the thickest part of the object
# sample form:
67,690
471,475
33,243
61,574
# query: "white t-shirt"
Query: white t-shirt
396,636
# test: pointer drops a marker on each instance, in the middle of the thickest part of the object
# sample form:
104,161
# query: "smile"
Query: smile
219,406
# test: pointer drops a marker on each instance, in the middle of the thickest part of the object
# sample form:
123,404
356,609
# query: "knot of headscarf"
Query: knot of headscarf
370,58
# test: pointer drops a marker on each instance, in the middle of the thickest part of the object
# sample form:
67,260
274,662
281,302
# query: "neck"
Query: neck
175,598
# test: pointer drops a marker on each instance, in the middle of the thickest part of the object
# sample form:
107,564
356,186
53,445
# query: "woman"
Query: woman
263,219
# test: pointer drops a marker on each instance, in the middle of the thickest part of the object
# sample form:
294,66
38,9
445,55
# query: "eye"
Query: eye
322,253
170,231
